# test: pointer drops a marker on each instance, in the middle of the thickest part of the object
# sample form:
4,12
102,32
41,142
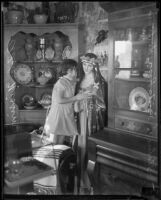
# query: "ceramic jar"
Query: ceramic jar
40,18
14,17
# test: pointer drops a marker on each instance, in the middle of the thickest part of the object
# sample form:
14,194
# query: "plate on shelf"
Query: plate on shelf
139,99
28,100
22,73
67,52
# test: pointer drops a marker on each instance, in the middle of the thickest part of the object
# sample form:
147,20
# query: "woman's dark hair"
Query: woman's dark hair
98,79
68,64
97,75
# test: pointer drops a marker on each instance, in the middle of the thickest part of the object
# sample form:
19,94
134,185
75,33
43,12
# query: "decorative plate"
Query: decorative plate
28,100
49,53
139,99
23,74
67,52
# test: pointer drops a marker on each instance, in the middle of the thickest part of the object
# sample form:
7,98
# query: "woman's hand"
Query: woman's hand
94,92
47,138
84,95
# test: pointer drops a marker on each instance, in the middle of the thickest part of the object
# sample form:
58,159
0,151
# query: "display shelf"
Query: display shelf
131,68
27,44
42,62
48,25
134,79
133,111
133,84
35,85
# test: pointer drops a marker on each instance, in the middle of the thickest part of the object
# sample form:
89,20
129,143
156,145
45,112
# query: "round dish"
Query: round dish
67,52
139,99
23,74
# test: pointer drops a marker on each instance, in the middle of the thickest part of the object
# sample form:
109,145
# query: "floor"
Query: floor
116,188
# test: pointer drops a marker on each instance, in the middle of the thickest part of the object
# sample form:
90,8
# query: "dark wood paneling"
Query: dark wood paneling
124,155
125,139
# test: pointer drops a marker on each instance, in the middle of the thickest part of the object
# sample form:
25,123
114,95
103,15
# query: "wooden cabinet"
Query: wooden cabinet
134,72
129,144
30,51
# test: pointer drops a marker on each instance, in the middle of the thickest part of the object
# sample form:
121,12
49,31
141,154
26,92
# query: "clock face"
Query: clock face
23,74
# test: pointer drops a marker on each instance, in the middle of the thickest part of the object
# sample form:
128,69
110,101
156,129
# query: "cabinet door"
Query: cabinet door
135,76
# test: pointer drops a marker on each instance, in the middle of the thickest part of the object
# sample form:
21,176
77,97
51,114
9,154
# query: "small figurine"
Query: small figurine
102,35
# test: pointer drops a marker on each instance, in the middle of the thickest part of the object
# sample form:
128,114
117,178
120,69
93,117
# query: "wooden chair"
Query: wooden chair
63,159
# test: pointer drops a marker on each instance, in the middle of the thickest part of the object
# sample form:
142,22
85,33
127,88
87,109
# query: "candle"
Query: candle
42,41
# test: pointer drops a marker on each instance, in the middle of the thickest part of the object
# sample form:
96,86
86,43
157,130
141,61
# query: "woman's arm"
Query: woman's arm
62,100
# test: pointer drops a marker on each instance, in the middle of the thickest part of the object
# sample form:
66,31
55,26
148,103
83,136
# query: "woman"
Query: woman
60,121
92,114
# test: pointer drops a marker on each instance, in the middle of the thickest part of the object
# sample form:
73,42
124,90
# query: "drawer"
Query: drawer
136,126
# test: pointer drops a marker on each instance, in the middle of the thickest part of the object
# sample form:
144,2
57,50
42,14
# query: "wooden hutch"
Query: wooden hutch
22,70
127,149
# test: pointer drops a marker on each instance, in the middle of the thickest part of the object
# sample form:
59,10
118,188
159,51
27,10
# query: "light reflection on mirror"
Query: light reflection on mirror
123,57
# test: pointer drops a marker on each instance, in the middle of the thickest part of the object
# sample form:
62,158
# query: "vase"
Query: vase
58,47
30,49
40,18
14,17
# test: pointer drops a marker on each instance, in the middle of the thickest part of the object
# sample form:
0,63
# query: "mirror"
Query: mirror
123,58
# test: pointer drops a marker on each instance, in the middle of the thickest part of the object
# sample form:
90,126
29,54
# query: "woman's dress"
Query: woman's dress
90,121
60,120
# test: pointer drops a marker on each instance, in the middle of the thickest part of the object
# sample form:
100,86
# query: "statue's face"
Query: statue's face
87,67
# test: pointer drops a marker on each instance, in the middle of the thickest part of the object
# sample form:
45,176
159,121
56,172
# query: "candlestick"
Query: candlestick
42,41
42,46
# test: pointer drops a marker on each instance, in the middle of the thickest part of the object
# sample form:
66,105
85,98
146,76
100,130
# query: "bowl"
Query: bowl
42,80
15,17
40,18
45,106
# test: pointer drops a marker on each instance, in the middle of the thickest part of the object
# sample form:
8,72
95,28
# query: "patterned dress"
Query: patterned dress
90,121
